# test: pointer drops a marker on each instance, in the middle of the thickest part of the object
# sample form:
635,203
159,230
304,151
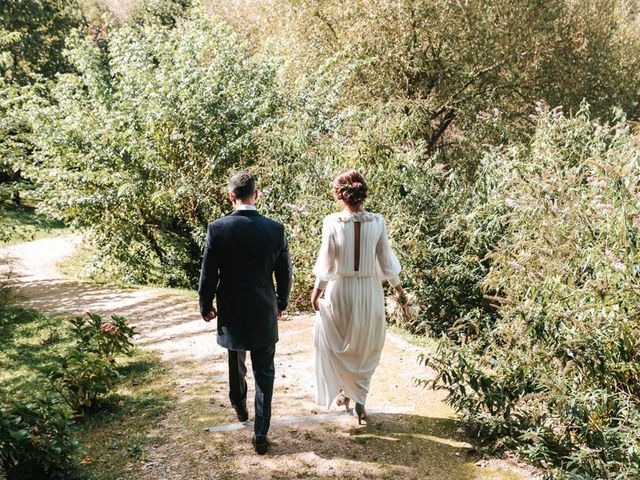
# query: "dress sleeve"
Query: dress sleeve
325,267
387,261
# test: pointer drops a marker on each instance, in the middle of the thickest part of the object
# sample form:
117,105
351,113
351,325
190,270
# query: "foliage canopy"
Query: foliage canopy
516,223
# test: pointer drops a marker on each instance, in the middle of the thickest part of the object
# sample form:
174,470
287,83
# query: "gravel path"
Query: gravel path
423,442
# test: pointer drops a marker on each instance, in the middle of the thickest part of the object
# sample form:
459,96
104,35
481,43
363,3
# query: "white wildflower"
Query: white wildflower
605,207
615,263
298,210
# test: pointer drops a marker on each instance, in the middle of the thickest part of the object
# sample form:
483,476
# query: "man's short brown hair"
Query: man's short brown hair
242,185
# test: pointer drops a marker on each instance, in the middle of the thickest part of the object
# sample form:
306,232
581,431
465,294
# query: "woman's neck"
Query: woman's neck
350,209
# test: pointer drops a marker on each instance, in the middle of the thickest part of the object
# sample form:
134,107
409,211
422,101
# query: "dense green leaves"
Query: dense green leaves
32,37
557,374
136,146
516,224
36,440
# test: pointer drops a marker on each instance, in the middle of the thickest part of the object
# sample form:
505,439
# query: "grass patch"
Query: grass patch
30,341
21,224
422,341
79,266
116,436
116,439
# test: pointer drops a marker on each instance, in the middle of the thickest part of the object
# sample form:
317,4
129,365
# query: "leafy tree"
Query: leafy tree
451,64
136,146
32,36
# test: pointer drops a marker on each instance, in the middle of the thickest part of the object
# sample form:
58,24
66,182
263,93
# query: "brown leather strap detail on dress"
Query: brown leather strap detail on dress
356,246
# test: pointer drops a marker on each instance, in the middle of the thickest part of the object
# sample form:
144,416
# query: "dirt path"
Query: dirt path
423,441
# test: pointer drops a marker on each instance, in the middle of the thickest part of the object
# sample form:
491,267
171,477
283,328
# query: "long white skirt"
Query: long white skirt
348,335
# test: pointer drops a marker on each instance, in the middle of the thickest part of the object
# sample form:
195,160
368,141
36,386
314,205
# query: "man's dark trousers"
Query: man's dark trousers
264,374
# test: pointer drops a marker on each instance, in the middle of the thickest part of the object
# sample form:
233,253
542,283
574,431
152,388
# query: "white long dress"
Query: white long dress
350,324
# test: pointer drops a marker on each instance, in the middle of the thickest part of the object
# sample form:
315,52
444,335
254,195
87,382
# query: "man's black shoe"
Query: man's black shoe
241,412
261,443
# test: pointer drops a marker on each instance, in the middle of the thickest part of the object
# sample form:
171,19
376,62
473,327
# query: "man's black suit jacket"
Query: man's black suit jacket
242,253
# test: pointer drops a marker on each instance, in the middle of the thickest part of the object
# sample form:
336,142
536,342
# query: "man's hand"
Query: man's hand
280,314
210,316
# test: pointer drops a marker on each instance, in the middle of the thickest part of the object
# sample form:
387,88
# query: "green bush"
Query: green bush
81,377
137,145
556,376
36,441
87,371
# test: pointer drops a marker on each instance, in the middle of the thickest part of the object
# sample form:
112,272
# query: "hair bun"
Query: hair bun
350,187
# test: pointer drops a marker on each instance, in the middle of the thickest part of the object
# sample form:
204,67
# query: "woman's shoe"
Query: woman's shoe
342,399
361,413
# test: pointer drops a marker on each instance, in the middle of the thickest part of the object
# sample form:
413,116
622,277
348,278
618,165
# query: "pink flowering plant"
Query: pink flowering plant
108,338
88,372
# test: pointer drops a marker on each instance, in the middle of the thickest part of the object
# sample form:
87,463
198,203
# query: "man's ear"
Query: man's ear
256,195
232,198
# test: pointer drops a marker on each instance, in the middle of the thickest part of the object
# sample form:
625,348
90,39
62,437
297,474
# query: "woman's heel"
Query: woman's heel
361,413
342,399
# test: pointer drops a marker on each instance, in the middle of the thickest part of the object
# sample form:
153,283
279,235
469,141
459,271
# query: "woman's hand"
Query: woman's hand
402,295
315,298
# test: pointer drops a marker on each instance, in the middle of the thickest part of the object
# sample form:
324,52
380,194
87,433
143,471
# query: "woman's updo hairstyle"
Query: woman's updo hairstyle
350,187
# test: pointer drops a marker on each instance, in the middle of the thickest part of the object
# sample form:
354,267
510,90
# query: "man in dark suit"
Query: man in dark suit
243,252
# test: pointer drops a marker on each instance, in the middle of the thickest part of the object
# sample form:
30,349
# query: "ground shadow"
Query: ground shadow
409,445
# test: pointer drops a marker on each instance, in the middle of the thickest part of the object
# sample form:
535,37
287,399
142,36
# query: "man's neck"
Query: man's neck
245,206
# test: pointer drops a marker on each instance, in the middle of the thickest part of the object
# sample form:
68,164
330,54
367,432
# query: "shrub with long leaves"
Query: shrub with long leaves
105,337
87,371
557,375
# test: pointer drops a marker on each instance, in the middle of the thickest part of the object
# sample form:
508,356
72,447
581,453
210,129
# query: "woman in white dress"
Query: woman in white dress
354,258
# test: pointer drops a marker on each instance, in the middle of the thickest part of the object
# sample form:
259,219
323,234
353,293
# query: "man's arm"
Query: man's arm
208,277
284,274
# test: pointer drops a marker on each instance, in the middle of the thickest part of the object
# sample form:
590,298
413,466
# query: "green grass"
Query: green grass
30,341
422,341
21,224
115,436
75,266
